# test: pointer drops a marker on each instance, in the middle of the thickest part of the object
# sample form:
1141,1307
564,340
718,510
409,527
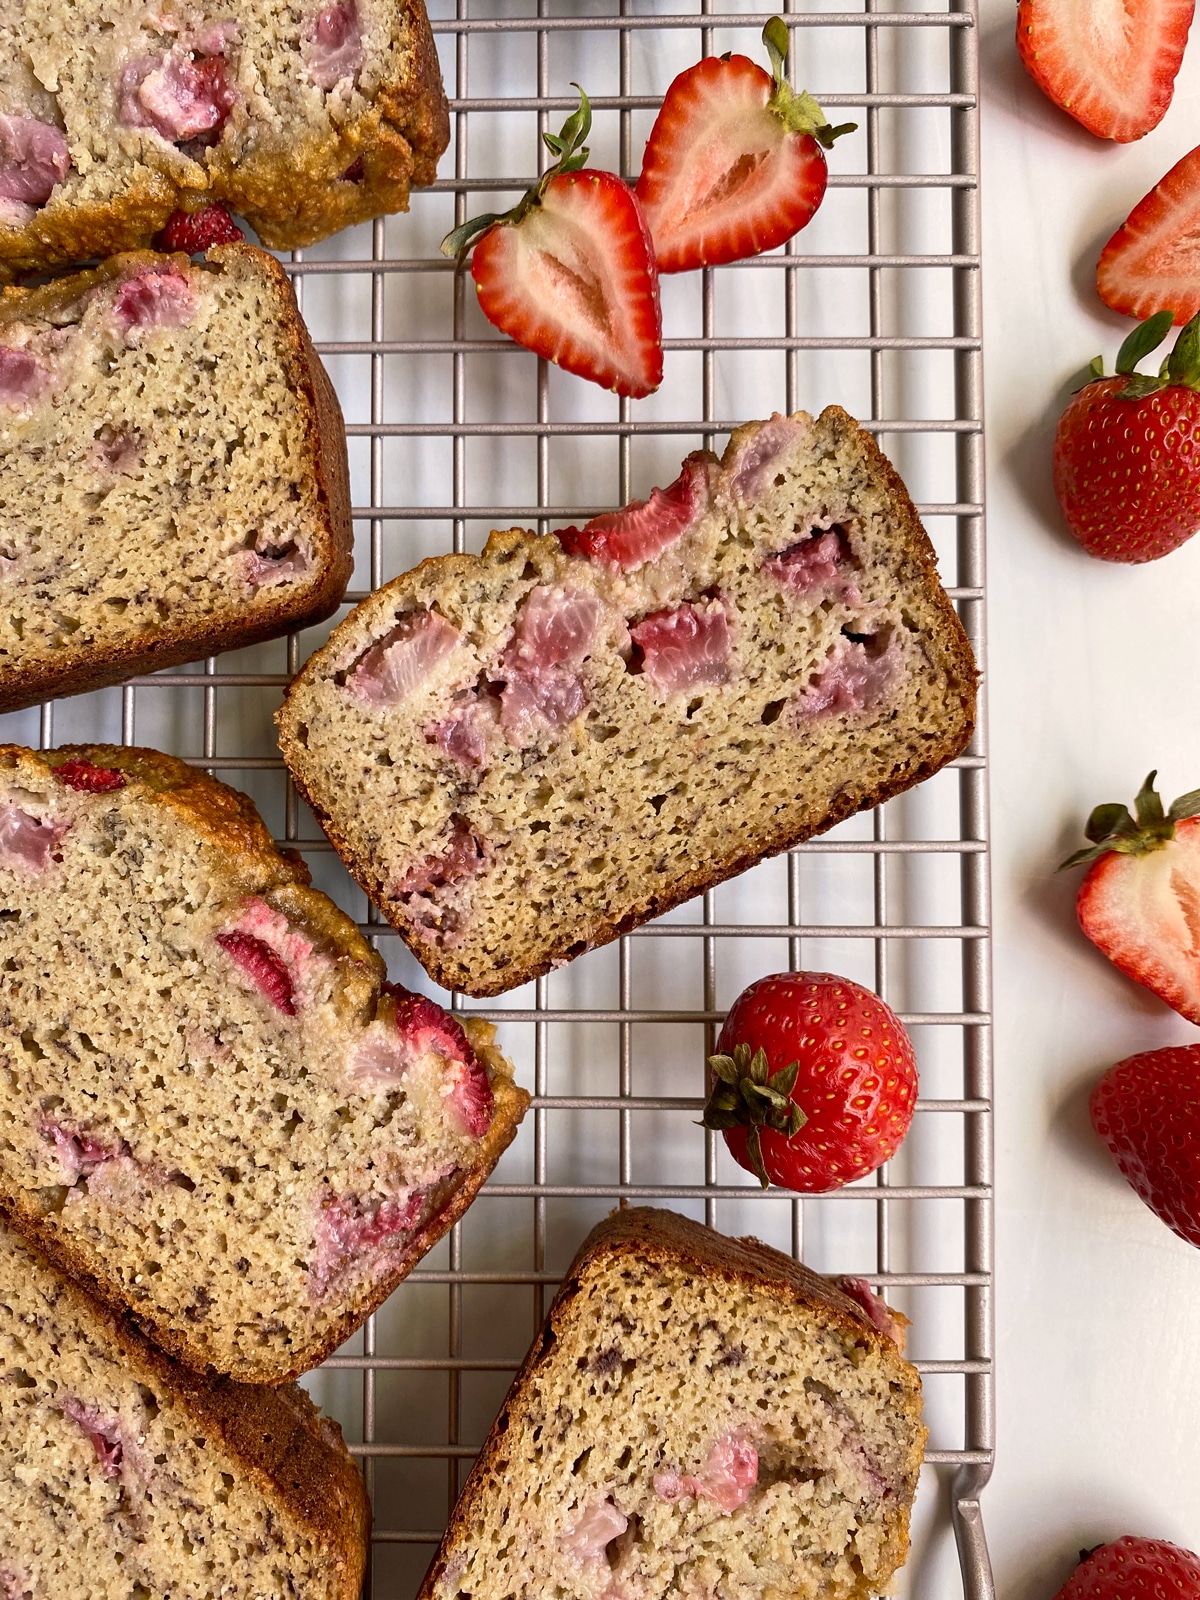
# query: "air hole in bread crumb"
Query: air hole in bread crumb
658,801
772,710
21,1378
580,1461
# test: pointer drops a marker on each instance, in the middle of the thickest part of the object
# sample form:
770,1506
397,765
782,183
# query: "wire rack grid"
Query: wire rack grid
453,431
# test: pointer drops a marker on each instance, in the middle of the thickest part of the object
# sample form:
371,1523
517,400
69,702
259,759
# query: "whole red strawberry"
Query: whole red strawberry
194,231
734,163
1139,901
815,1082
569,272
1147,1111
1134,1569
1127,451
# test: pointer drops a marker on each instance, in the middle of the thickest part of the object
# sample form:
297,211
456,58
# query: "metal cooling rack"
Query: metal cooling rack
453,431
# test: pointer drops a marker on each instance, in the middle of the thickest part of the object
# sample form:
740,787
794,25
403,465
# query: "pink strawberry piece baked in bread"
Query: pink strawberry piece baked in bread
522,754
700,1416
217,1113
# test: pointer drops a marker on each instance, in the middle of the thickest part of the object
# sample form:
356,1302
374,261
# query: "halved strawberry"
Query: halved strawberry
1111,67
1140,899
1152,262
733,165
569,272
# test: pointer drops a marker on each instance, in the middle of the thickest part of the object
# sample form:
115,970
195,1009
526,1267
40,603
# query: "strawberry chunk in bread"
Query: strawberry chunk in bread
216,1110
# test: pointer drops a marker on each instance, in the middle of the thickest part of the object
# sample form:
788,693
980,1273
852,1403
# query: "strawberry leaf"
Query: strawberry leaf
1145,337
1111,829
1148,804
1188,805
1139,386
1183,364
754,1151
775,37
1108,822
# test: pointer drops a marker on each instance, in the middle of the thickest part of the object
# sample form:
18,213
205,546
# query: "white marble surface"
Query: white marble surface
1091,685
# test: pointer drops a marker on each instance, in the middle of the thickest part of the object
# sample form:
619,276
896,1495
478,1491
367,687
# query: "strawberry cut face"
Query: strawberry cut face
1152,262
1111,67
575,281
722,177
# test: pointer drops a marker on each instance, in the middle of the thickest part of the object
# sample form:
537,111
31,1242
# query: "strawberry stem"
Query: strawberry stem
747,1094
799,113
571,154
1110,828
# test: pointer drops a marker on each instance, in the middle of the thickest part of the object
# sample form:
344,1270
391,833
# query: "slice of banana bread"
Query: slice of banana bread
524,754
173,475
305,118
213,1109
701,1416
123,1474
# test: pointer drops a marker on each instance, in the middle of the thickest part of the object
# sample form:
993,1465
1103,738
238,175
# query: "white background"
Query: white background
1093,668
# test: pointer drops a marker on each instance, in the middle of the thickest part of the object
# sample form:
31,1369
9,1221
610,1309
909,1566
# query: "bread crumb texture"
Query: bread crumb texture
172,470
212,1106
700,1419
304,117
126,1478
523,754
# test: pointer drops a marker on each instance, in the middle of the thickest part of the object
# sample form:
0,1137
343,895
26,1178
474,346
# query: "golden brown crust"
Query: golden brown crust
947,643
278,1439
324,457
649,1234
291,195
231,823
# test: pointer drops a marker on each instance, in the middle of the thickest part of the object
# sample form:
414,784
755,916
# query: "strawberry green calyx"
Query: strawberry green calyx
1110,828
1180,369
572,154
747,1094
799,113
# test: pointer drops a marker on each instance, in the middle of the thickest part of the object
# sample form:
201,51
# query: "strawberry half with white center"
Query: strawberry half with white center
1111,67
734,163
569,272
1140,899
1127,450
1152,262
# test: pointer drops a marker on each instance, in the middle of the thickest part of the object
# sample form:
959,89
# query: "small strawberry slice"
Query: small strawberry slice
1127,450
1139,901
1147,1111
1111,67
569,272
1152,262
734,162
